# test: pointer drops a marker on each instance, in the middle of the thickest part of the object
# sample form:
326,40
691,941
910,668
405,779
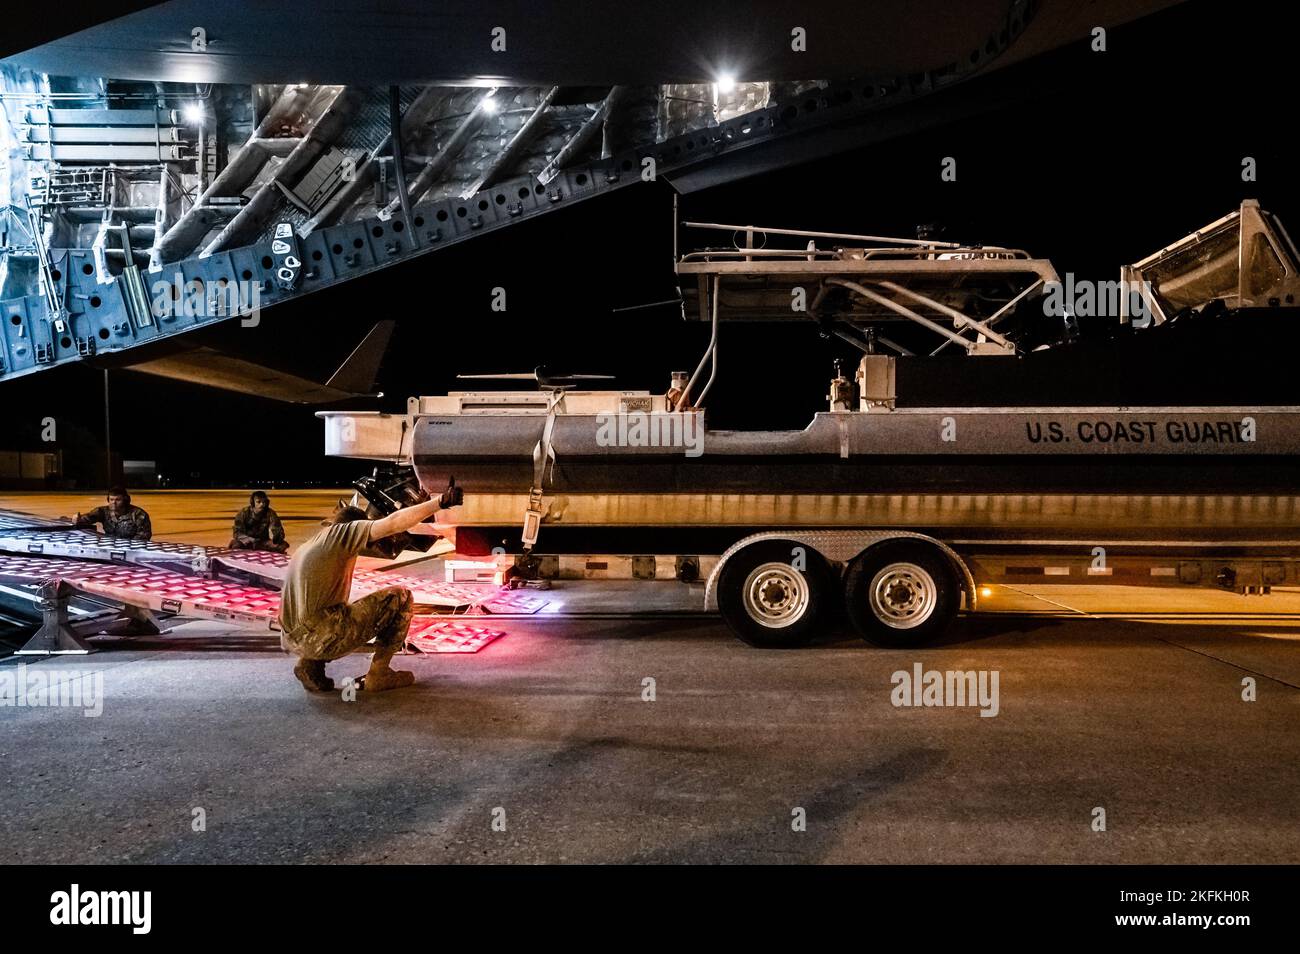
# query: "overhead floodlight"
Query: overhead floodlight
490,104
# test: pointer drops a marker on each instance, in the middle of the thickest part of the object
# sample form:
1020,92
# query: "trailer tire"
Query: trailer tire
769,603
901,593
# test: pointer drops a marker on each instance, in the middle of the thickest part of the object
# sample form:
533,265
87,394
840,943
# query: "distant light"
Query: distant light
985,591
726,83
490,105
193,113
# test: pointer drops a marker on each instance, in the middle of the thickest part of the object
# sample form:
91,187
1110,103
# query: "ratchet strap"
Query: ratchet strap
543,460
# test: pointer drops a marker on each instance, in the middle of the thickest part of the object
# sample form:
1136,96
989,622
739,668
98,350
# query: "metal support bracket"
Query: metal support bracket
55,637
142,621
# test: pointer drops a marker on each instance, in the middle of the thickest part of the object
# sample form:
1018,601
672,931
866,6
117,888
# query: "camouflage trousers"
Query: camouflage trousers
237,544
384,616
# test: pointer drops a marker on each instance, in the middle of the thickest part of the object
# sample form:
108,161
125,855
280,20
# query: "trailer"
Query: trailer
898,503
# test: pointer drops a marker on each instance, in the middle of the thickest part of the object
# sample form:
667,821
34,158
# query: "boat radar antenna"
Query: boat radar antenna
545,378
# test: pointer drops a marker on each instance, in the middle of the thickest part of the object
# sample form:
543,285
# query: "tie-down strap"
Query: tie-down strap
543,463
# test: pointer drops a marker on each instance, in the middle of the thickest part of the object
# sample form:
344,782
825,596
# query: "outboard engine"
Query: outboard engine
387,489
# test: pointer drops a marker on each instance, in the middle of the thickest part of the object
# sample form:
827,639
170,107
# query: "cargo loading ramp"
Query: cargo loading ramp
155,580
150,594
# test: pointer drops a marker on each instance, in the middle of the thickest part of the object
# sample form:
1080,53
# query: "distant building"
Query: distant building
140,473
30,470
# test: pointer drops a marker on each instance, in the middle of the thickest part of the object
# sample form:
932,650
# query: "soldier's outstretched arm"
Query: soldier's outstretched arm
403,519
408,517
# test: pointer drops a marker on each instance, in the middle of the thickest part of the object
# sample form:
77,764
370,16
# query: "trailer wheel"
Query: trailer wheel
901,593
767,601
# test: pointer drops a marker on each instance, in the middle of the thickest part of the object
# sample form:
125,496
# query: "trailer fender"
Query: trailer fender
841,546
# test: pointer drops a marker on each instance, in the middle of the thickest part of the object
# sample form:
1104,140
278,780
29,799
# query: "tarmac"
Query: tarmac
553,734
1130,726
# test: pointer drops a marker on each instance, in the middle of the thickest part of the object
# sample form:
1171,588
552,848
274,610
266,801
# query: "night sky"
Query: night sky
1090,159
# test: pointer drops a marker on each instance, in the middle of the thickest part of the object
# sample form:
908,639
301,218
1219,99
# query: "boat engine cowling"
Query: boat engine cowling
387,489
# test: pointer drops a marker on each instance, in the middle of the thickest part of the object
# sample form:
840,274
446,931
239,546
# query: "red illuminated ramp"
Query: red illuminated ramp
432,634
163,591
269,569
35,569
257,567
163,577
167,591
459,599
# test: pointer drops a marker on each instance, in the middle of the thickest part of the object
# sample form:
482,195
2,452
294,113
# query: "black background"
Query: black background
915,905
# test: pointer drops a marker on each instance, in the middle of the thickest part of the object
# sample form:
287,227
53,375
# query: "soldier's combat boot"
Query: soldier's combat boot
383,679
311,673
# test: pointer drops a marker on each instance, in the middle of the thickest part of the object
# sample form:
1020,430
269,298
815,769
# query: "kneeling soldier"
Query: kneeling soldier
317,621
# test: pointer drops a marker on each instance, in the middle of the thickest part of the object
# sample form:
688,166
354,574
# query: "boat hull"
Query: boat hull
974,451
1006,472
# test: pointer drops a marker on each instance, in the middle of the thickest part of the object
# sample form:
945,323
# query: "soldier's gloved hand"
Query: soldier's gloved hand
453,496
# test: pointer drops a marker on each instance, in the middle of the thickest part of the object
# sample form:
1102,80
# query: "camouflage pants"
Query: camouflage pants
237,544
384,616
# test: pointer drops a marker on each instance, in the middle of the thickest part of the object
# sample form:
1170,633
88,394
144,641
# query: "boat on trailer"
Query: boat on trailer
967,416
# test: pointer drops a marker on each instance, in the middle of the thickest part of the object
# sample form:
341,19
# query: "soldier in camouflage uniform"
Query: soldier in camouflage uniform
121,520
258,527
318,624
